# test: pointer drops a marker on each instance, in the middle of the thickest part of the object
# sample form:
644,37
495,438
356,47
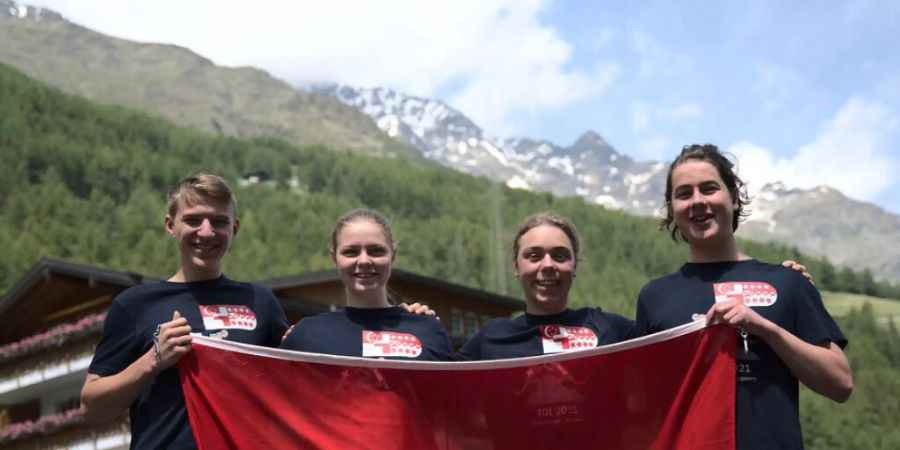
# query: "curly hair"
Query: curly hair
736,187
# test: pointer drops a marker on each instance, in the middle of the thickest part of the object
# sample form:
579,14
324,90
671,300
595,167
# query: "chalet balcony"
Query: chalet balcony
36,376
67,432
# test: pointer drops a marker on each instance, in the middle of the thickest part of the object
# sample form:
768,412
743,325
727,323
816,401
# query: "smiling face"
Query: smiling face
703,209
363,257
204,232
545,266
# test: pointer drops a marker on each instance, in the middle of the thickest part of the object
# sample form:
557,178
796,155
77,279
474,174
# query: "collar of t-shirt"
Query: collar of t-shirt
534,320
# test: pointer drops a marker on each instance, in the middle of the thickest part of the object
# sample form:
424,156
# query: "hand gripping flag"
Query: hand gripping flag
670,390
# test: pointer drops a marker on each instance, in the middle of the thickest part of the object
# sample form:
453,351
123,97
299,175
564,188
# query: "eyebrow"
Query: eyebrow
202,216
361,246
537,247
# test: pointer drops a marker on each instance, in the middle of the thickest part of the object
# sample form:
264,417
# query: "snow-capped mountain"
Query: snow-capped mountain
820,221
589,168
10,9
823,221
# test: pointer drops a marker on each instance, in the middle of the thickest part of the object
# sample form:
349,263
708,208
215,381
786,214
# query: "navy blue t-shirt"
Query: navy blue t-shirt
235,311
531,335
767,406
390,333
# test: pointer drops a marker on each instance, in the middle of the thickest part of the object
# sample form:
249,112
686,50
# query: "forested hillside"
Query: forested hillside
184,87
87,182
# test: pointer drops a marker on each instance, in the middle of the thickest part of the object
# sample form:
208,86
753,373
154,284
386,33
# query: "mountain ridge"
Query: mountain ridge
176,83
849,232
188,89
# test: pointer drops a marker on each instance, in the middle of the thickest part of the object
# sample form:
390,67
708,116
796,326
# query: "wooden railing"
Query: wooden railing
39,367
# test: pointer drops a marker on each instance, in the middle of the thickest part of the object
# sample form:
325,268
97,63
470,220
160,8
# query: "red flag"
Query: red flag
671,390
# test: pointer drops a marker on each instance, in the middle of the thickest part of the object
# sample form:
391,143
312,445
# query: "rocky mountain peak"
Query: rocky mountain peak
591,138
12,10
592,145
592,169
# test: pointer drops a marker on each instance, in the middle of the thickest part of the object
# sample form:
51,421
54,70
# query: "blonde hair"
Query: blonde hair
551,219
363,214
195,188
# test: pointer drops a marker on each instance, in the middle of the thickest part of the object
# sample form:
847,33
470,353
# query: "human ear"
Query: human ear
170,225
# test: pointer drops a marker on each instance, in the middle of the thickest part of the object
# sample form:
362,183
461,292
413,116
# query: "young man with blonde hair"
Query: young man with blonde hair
148,327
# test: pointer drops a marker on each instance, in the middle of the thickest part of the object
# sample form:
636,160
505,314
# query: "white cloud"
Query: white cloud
655,148
604,39
496,56
656,62
851,153
685,111
777,86
642,113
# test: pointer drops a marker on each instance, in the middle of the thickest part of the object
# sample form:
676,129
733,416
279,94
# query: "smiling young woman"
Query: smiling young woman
363,253
545,259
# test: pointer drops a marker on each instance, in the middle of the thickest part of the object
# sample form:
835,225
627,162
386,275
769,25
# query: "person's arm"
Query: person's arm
272,312
822,367
627,329
471,350
107,397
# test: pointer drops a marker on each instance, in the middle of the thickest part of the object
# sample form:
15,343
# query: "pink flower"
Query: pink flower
44,424
53,337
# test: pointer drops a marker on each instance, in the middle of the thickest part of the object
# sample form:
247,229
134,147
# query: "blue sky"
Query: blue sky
803,92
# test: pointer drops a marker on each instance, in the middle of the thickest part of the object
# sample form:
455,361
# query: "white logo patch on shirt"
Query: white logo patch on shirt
558,338
235,317
752,293
377,344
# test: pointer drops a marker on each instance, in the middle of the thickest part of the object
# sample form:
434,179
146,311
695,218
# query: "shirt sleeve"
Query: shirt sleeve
278,321
625,328
812,322
443,350
292,341
641,327
471,350
119,344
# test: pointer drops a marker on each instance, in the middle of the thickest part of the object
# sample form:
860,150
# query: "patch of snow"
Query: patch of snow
607,201
390,125
517,182
497,154
563,164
